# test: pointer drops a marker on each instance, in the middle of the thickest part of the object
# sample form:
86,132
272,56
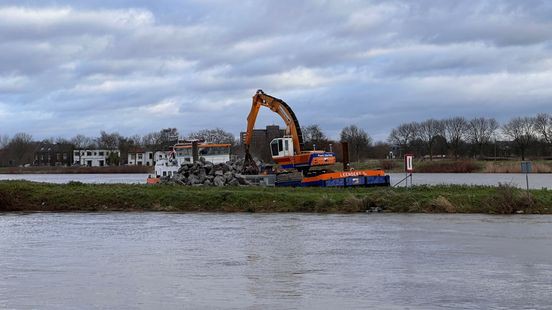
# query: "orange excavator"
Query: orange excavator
287,151
289,154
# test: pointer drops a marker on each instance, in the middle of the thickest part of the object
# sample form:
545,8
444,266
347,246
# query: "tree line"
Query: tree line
456,136
20,149
478,137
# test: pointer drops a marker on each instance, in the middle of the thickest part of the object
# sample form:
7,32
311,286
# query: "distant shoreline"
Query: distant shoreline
25,196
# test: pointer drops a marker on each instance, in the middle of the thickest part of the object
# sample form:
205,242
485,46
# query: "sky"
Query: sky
133,67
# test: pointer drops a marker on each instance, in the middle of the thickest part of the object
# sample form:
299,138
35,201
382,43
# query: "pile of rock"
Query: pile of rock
208,174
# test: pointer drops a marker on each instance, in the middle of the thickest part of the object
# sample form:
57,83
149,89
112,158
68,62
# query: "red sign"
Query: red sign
408,166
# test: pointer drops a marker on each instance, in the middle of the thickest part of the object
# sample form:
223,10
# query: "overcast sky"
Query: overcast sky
133,67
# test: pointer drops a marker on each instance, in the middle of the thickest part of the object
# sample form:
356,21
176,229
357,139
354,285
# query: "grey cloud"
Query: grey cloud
87,67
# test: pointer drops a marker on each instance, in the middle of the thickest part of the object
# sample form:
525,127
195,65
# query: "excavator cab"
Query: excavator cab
281,147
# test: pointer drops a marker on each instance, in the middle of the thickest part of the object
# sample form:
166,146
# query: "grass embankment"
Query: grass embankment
78,197
452,166
75,170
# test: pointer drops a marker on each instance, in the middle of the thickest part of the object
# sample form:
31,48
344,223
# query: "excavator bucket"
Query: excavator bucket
249,165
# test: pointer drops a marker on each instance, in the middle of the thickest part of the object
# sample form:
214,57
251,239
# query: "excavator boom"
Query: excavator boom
289,156
288,152
279,106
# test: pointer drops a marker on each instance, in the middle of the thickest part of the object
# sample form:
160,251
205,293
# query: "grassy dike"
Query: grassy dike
77,197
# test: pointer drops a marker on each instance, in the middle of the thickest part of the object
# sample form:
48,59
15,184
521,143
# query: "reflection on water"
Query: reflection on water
156,260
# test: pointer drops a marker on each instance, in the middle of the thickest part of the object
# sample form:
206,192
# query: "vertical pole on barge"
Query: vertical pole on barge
195,151
345,151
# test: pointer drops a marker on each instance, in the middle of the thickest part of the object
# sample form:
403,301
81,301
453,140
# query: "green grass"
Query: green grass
78,197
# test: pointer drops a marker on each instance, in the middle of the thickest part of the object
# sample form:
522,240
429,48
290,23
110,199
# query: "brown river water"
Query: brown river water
274,261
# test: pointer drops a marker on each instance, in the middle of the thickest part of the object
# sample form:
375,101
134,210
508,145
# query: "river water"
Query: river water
274,261
536,181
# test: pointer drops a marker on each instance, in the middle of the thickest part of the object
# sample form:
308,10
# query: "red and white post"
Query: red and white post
408,167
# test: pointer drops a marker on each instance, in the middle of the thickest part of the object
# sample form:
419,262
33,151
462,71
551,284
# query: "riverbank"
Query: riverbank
78,197
76,170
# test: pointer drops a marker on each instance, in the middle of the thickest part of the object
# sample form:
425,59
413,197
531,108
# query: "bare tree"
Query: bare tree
152,140
428,131
169,136
4,141
82,141
358,140
135,140
403,135
109,141
543,126
521,130
21,147
481,130
61,140
216,135
455,130
314,136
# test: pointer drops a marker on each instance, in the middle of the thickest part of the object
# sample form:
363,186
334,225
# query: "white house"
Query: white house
141,157
215,153
161,155
94,158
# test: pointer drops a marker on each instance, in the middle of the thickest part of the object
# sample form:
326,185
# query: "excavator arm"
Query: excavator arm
293,129
279,106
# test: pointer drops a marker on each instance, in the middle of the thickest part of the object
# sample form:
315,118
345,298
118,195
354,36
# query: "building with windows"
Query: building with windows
141,157
260,141
96,158
49,154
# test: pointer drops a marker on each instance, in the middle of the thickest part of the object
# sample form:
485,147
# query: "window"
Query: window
150,155
140,156
88,153
286,145
58,156
274,147
64,156
280,146
101,163
101,153
95,154
76,153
